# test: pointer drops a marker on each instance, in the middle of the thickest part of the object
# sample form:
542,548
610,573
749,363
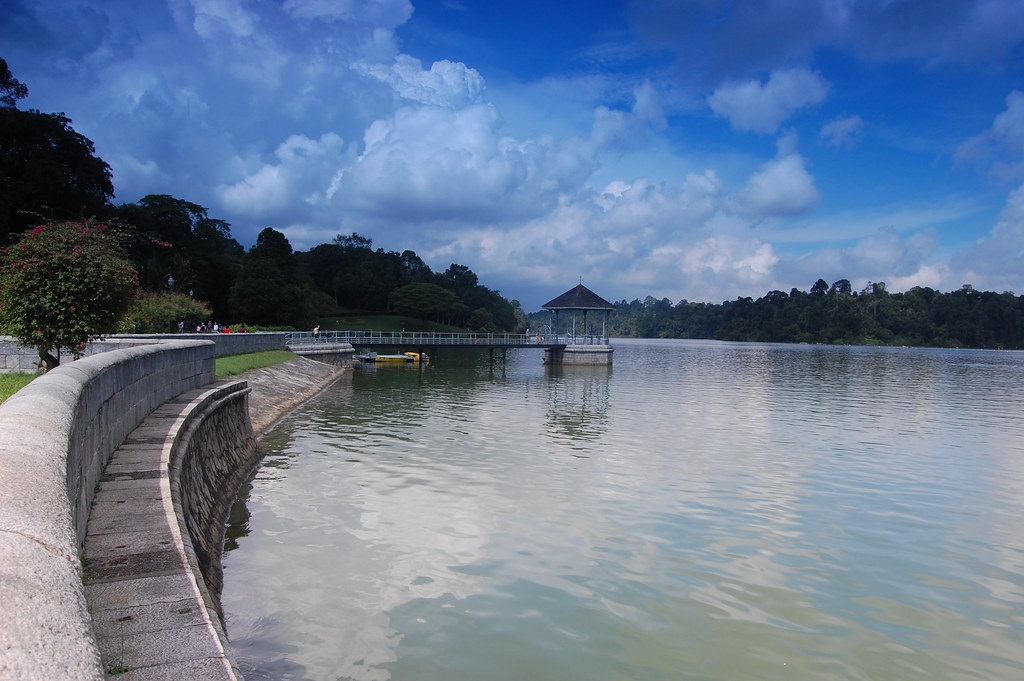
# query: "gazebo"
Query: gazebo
581,299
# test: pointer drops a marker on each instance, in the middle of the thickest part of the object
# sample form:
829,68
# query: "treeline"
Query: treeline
837,315
189,264
178,249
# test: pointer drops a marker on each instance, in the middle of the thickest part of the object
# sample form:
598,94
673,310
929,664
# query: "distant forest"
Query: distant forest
836,314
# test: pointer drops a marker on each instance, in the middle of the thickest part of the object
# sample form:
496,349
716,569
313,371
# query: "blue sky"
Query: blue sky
679,149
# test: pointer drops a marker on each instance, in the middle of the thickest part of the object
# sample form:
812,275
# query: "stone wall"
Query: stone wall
55,437
216,452
16,359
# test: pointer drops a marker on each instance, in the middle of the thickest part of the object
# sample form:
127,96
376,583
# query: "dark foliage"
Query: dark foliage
178,248
270,288
837,315
47,171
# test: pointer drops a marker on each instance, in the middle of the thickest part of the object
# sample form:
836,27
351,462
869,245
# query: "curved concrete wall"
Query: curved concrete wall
214,455
55,437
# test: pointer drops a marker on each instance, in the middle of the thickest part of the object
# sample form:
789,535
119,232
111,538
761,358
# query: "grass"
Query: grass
226,366
239,364
12,383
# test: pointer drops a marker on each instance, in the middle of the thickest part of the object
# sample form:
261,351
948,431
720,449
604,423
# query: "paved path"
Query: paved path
148,612
149,617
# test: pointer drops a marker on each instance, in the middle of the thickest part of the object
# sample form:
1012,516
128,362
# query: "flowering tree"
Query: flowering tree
62,285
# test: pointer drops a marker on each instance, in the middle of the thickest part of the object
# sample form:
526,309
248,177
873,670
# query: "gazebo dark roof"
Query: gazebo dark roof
578,298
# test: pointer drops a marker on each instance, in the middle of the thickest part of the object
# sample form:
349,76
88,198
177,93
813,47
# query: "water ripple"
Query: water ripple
700,511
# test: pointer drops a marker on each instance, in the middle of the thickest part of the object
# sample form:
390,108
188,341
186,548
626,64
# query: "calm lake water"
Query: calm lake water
700,511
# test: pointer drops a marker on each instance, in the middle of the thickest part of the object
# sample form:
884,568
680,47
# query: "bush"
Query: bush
160,313
64,284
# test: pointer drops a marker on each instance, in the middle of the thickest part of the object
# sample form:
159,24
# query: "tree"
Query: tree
176,238
842,287
459,278
47,170
64,284
270,289
11,90
427,301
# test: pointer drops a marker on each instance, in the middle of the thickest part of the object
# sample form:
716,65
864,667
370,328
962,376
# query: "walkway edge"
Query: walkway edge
164,621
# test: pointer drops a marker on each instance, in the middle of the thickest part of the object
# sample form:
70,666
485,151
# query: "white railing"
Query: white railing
436,338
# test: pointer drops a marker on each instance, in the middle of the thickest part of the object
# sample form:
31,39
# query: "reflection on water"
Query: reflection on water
703,511
578,398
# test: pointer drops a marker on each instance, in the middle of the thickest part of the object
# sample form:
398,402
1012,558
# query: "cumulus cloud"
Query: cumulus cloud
996,261
623,131
445,84
781,187
301,174
842,132
1001,147
753,106
306,115
887,253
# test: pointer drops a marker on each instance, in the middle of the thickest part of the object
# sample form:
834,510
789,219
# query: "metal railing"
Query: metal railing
438,338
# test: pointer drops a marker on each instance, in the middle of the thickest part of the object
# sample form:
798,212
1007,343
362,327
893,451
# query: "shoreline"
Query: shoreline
280,389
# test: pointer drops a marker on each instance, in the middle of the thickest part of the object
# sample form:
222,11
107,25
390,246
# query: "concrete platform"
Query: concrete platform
148,613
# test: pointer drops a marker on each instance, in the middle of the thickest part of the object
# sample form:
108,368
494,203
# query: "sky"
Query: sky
688,149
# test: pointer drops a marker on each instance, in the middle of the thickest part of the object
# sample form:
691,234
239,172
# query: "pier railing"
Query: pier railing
440,338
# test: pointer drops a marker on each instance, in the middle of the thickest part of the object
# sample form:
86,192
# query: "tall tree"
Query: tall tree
176,239
47,170
11,89
270,290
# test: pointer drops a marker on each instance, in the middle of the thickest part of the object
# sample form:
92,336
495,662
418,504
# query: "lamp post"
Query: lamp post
170,284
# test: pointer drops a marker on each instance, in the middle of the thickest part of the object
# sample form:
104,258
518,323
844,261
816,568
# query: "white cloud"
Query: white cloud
387,13
845,132
624,131
1001,147
215,17
781,187
886,253
304,115
446,84
762,107
301,175
996,261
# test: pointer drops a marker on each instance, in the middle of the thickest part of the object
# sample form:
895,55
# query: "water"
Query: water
700,511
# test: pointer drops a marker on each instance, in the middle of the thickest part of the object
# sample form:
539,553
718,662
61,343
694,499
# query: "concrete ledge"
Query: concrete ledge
339,354
580,355
147,580
56,435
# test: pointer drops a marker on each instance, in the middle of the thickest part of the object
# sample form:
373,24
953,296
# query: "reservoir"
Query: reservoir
700,511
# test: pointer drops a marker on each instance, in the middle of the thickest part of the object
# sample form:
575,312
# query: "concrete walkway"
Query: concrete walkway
148,612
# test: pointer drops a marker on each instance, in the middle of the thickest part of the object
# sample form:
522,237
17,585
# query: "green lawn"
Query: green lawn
226,366
12,383
239,364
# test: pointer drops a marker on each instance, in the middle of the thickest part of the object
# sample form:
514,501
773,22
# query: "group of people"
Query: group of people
209,327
